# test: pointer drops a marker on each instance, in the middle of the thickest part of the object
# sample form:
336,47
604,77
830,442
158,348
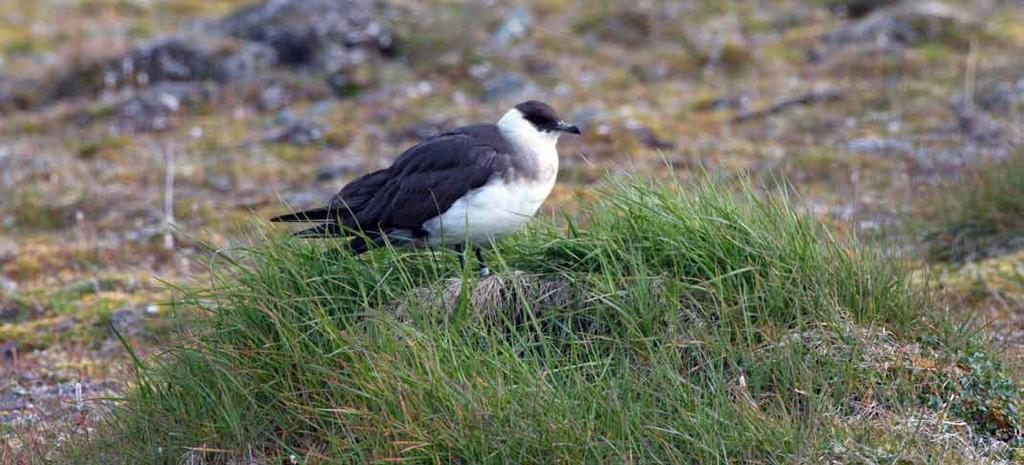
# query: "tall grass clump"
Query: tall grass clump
981,216
667,324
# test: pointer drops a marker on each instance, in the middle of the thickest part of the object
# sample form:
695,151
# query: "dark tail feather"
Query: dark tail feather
321,230
314,215
357,244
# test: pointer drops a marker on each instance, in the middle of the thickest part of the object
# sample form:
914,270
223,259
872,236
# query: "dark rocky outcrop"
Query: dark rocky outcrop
858,8
172,59
332,37
903,23
329,35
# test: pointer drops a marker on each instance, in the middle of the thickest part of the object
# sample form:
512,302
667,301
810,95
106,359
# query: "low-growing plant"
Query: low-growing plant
981,215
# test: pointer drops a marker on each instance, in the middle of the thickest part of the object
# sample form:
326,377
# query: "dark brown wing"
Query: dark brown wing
426,181
422,183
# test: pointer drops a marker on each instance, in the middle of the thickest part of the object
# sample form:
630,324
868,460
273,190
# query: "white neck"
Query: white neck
523,134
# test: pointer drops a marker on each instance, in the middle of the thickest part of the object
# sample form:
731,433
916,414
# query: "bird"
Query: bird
467,186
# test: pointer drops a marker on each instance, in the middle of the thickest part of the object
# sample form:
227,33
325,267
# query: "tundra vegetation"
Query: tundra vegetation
791,232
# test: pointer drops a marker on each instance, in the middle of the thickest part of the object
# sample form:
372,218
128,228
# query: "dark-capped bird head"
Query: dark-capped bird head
544,118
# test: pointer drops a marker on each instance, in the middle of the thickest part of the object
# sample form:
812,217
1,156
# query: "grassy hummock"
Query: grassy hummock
666,324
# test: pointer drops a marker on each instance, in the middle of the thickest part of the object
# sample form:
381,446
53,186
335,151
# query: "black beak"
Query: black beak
568,128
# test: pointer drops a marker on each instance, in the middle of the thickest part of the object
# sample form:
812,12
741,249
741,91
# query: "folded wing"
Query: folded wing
422,183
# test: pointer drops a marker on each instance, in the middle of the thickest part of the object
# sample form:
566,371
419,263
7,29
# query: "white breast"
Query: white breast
495,210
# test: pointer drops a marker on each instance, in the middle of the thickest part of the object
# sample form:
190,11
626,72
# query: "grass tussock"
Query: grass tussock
981,216
670,324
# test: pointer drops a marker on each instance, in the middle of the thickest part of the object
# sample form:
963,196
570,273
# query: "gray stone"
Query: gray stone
299,133
628,27
273,98
8,353
173,59
7,286
646,136
903,23
587,117
336,170
150,108
126,321
247,59
325,34
858,8
976,126
8,312
516,26
507,86
739,101
8,248
879,145
301,198
12,401
329,36
421,129
1004,98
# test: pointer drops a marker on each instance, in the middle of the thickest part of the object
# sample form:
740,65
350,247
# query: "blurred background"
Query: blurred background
133,132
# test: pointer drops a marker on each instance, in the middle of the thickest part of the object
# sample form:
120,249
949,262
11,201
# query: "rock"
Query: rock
7,286
246,59
285,117
64,325
273,98
1001,98
150,109
627,27
348,82
330,36
587,117
218,182
126,321
645,135
6,93
172,60
298,133
739,101
11,402
505,87
879,145
321,108
421,129
857,8
8,313
303,198
991,446
516,26
348,165
326,34
8,247
976,125
175,59
903,23
719,43
16,94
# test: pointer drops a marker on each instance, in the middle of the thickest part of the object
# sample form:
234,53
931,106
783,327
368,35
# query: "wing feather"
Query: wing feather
421,184
430,183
